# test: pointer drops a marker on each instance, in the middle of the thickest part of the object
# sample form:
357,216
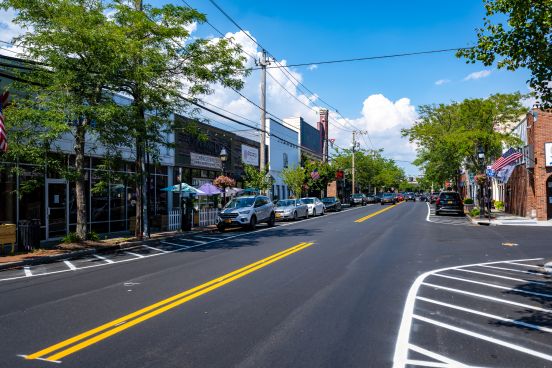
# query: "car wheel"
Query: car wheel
252,223
306,214
295,216
221,228
323,212
314,213
437,213
272,220
382,203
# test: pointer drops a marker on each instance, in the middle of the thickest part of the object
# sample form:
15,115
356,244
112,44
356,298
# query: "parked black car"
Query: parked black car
390,198
423,197
332,204
410,197
358,199
449,202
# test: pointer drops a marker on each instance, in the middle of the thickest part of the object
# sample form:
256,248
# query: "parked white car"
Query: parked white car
291,209
315,205
246,212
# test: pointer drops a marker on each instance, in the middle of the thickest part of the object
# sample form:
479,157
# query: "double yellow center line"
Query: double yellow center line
87,338
362,219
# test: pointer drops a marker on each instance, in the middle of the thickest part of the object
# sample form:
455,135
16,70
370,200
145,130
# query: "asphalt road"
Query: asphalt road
333,291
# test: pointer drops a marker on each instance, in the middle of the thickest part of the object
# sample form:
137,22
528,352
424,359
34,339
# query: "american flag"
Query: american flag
507,158
315,175
3,136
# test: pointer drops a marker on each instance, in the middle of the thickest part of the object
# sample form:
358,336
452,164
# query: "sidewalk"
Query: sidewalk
67,251
500,218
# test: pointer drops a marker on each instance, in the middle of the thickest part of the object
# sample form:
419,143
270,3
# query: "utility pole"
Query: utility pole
354,145
263,62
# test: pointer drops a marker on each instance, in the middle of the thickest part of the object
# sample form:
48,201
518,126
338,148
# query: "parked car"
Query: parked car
400,197
247,211
316,207
449,202
433,197
373,199
423,197
390,198
290,209
410,197
332,203
358,199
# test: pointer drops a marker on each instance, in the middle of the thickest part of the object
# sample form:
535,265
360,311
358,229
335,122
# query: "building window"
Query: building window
285,160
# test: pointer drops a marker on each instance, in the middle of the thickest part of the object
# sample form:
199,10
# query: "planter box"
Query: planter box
8,238
468,207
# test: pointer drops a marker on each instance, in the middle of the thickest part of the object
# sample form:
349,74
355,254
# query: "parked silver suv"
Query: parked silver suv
246,212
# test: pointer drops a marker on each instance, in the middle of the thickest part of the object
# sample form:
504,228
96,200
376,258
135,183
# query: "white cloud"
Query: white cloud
9,30
442,81
312,67
478,75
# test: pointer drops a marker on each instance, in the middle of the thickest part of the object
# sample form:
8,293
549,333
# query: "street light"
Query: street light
223,158
481,158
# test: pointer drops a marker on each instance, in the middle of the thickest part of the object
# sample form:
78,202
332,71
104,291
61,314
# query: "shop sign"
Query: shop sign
548,154
250,155
210,162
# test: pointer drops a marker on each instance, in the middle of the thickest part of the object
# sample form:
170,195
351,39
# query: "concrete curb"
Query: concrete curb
86,252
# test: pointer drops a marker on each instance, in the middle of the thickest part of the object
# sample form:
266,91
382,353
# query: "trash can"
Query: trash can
29,235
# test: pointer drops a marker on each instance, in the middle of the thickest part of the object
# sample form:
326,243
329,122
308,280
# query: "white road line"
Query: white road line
523,264
436,356
425,363
487,297
207,237
501,277
495,286
488,315
401,347
153,248
535,273
175,244
28,272
485,338
135,254
103,258
70,265
192,240
428,212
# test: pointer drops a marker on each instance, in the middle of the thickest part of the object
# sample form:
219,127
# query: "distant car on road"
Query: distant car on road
358,199
332,204
400,197
373,199
410,197
433,197
449,202
423,197
388,198
315,205
291,209
246,211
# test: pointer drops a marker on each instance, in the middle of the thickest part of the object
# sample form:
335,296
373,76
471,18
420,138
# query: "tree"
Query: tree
162,68
294,178
448,136
66,93
325,171
525,41
256,179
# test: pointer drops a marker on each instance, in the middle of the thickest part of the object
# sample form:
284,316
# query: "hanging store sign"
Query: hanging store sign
250,155
210,162
548,154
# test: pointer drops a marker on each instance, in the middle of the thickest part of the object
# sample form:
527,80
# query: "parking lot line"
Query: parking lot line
153,248
488,315
103,258
523,264
476,335
208,237
425,363
70,265
27,270
135,254
534,273
448,361
464,292
193,240
501,277
495,286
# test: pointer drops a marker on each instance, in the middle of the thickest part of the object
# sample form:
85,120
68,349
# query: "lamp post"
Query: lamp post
481,158
223,157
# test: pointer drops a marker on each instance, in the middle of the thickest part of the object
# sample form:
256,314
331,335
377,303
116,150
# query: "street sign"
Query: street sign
490,172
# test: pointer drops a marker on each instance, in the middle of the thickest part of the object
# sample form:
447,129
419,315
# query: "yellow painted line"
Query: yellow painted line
125,322
362,219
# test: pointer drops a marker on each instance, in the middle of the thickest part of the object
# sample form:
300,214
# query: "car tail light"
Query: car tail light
438,201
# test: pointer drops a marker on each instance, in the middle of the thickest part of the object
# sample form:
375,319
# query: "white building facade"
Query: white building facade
283,152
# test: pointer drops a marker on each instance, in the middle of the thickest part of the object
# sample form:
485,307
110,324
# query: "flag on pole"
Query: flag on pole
3,134
315,175
507,158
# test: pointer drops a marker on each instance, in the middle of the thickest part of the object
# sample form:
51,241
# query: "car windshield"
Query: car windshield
357,195
388,195
240,202
285,202
308,200
328,200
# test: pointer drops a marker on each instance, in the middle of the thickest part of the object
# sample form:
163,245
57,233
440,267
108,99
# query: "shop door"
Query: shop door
549,196
56,208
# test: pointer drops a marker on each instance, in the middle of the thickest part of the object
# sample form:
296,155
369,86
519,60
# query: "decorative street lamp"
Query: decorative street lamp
223,158
482,199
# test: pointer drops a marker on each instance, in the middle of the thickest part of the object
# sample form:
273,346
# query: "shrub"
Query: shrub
474,212
468,201
499,205
93,236
71,238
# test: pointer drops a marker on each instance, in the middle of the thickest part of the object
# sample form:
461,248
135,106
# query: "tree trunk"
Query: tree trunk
80,138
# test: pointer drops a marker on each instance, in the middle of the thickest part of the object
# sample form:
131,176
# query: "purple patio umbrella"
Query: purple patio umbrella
209,189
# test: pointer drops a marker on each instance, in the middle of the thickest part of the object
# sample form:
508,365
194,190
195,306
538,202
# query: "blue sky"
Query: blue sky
380,96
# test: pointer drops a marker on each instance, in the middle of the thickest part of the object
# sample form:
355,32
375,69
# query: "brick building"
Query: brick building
529,190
